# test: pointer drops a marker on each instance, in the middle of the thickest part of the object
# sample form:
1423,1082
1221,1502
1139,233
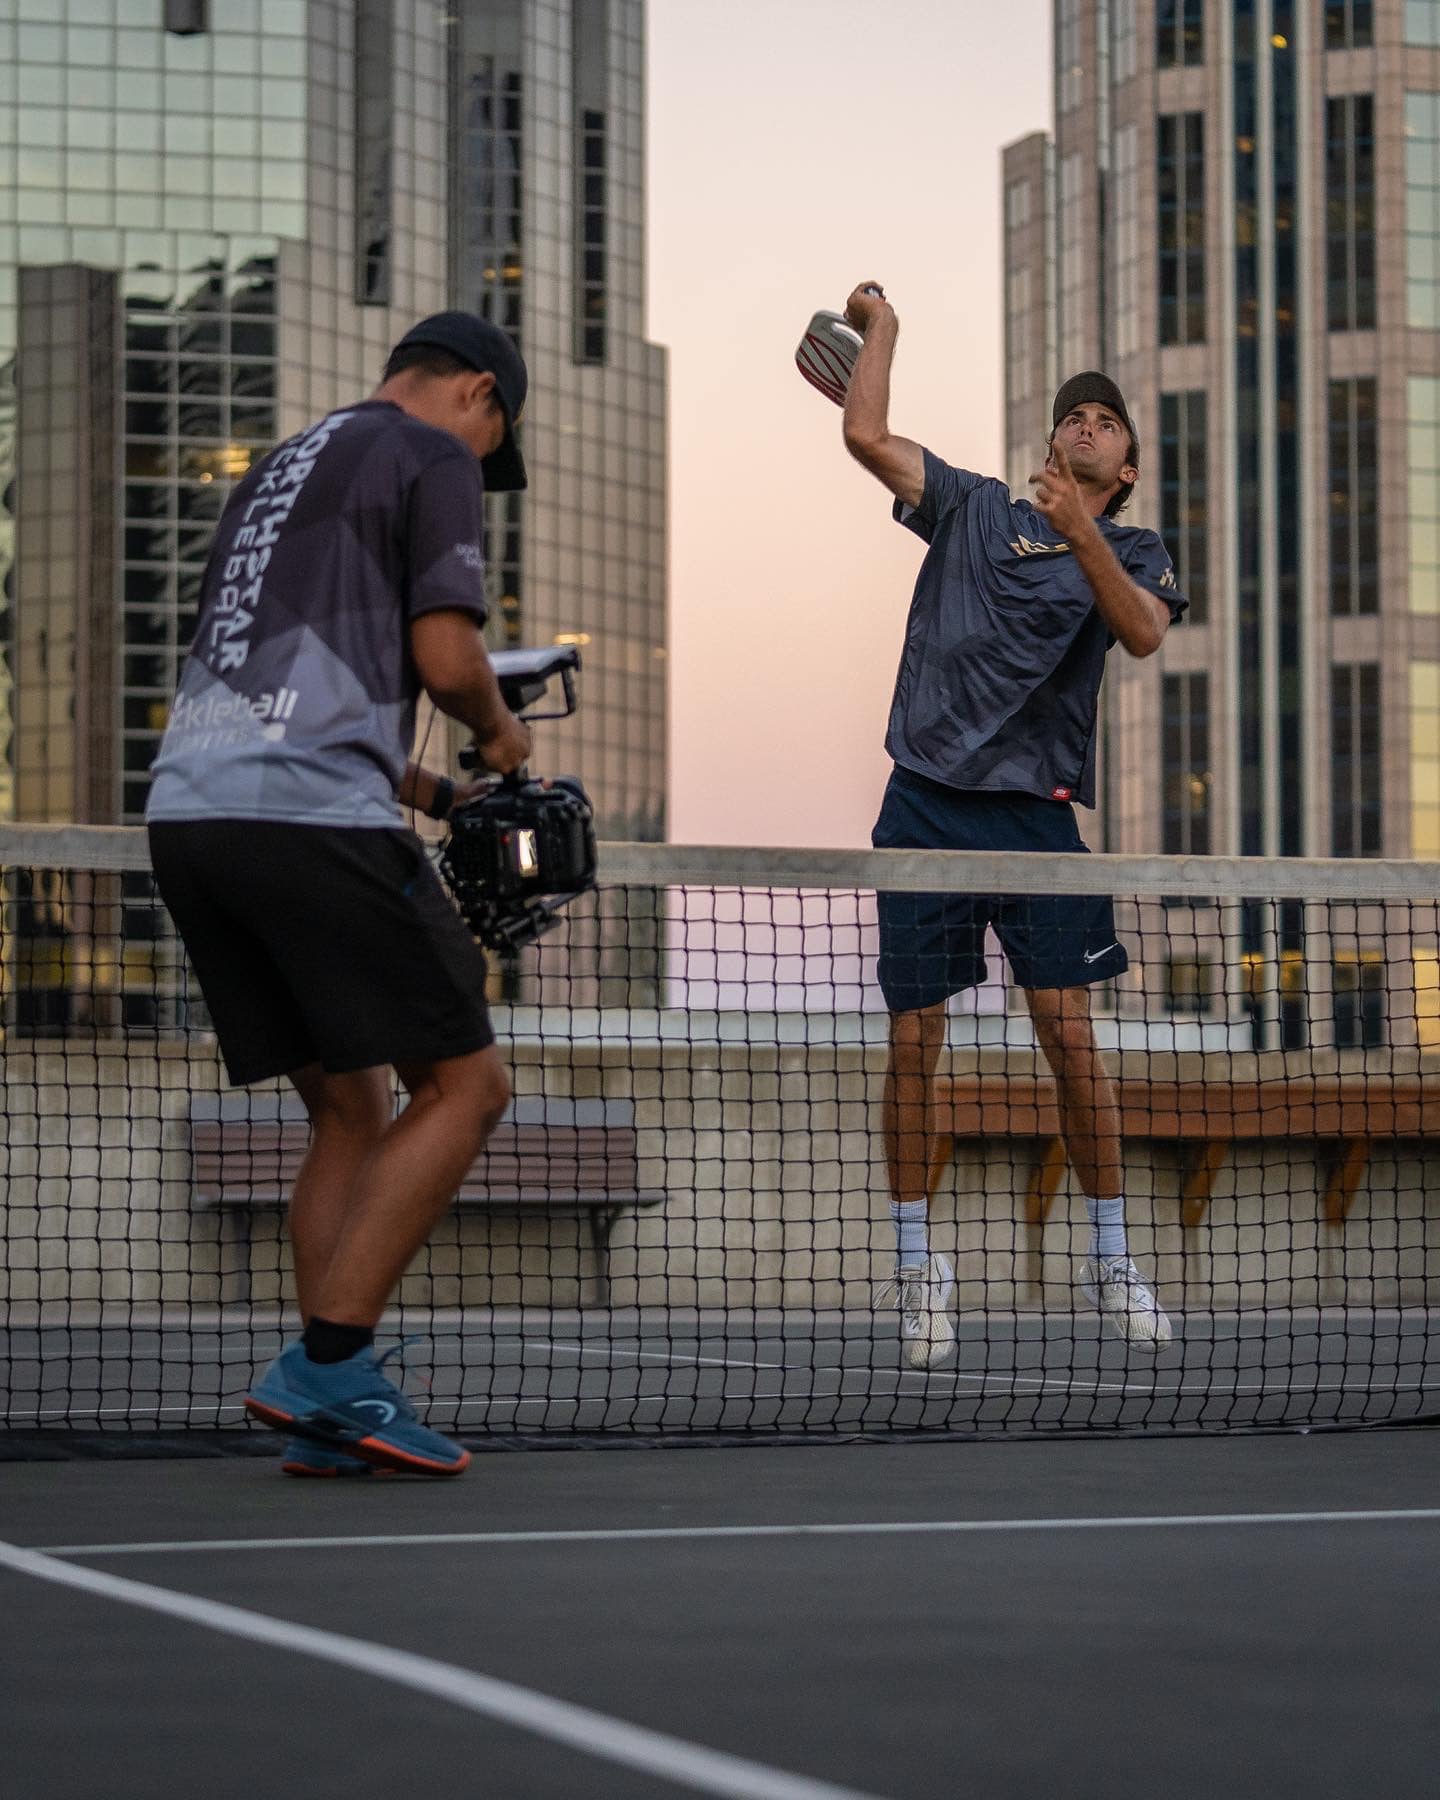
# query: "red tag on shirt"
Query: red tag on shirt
1059,793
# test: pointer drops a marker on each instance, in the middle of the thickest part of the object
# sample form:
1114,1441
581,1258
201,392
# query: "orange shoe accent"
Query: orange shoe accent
385,1456
267,1415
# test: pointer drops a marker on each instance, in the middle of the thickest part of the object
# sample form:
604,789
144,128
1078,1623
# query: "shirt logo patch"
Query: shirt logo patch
1022,546
471,556
1168,578
1060,793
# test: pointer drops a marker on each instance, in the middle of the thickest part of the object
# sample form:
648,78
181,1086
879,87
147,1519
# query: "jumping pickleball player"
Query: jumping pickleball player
992,733
346,576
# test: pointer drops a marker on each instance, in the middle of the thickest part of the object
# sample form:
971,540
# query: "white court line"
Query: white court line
649,1534
1041,1383
579,1728
664,1356
989,1380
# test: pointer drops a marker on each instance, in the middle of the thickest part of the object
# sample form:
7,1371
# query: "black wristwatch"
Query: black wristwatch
442,799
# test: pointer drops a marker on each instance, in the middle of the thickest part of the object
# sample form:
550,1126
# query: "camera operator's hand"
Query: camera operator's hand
506,748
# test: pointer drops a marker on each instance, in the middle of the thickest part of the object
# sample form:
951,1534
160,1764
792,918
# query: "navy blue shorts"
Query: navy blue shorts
933,945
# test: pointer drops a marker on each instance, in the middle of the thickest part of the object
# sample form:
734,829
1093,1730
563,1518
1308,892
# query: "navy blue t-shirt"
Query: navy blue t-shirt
999,680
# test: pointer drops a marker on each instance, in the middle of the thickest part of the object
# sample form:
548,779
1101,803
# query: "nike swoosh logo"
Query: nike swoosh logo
1095,956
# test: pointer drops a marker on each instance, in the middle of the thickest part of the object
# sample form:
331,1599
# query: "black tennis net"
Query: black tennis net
685,1224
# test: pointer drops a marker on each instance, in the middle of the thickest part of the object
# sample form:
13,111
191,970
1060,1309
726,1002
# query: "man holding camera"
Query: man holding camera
992,733
346,576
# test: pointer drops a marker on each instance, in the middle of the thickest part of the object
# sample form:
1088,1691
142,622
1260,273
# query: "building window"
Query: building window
1423,454
187,18
1185,764
590,28
1184,494
1422,21
1017,205
374,128
1074,248
1189,984
1179,33
1425,760
1427,998
1355,826
1019,375
1354,497
1422,210
1357,986
1181,170
200,405
1349,24
1069,70
1350,212
486,206
1124,41
486,157
1125,237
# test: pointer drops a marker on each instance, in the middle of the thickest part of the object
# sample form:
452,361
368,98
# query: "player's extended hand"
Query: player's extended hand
865,305
1058,496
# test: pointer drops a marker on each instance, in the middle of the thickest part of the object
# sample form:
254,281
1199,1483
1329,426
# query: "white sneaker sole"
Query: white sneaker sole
1151,1329
931,1349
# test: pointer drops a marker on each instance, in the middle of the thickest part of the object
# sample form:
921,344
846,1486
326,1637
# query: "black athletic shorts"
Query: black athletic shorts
933,945
319,944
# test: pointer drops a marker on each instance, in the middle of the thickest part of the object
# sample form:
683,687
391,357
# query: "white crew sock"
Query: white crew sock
1107,1228
912,1236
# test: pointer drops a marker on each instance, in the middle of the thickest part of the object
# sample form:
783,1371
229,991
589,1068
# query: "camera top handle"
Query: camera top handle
525,677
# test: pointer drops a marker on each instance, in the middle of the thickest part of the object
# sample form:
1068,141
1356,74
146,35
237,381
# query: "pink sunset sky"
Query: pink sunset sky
796,148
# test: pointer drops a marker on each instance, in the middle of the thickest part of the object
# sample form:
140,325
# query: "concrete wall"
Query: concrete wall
773,1162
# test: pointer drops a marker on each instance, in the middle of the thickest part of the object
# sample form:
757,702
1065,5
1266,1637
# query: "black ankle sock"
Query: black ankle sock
327,1342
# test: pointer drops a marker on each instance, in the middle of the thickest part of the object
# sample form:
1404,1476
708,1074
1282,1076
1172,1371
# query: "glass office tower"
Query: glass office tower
214,222
1238,216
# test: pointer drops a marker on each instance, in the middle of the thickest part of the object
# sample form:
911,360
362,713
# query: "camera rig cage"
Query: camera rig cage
524,849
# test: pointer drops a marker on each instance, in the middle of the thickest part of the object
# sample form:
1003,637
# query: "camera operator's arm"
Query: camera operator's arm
436,796
456,672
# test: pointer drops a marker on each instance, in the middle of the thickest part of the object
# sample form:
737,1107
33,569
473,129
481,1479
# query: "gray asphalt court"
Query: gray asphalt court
794,1371
1121,1617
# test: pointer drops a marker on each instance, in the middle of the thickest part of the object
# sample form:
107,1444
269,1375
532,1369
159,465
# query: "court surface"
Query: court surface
743,1371
1253,1615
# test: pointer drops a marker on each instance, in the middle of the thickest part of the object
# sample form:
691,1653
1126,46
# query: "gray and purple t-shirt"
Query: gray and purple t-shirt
297,700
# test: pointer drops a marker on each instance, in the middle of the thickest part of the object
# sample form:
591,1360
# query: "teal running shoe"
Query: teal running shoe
301,1457
351,1408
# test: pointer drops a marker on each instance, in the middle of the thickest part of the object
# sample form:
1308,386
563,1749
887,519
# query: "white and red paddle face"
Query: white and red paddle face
826,354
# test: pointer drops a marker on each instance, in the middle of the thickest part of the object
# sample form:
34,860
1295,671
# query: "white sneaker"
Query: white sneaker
922,1295
1127,1306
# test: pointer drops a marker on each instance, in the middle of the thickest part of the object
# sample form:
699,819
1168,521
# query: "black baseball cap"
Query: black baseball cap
1093,388
485,347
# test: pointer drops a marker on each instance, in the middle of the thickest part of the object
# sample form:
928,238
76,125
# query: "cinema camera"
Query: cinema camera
524,849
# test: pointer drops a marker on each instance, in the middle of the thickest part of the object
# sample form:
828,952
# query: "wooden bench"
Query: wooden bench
565,1158
1204,1118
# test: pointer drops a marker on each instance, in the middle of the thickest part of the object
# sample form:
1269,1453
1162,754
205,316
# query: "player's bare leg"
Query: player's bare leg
924,1282
1090,1126
409,1178
349,1115
329,1388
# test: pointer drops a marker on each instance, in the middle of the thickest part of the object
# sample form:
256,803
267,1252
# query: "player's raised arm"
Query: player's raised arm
896,461
1138,620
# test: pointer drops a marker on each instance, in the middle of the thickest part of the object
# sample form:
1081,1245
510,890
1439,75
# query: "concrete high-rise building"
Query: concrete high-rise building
1238,216
215,219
